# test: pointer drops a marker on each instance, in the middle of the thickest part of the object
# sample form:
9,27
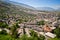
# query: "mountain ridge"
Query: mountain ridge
45,8
21,4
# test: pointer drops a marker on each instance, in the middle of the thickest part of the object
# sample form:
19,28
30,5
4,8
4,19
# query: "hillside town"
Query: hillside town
19,21
42,25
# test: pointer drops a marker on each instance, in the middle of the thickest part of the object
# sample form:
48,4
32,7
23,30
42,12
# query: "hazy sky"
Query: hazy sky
40,3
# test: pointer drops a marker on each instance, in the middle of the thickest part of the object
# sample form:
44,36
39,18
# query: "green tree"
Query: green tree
14,31
6,37
40,22
41,37
57,32
34,34
3,25
3,32
54,38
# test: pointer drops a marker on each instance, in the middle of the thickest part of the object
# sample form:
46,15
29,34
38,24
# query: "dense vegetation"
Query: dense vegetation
57,32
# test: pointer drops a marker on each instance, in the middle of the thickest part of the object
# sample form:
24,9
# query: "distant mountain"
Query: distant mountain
58,9
45,8
21,4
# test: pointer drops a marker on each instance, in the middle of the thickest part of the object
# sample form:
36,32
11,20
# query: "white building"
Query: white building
50,35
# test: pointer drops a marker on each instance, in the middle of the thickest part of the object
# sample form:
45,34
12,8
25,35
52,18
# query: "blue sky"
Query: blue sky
40,3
